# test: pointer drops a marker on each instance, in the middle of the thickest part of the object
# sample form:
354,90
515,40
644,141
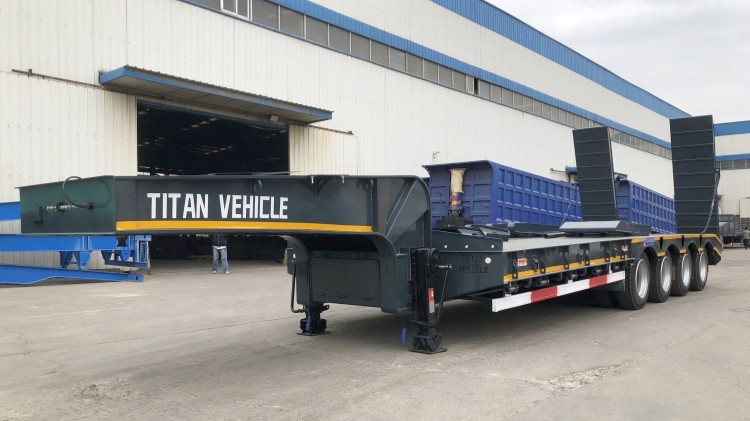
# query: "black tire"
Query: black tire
683,269
636,285
699,275
661,280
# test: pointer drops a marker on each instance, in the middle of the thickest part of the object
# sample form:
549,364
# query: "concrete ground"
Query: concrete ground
186,344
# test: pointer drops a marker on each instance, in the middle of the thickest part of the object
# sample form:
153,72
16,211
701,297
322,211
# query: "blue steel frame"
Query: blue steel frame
26,275
128,251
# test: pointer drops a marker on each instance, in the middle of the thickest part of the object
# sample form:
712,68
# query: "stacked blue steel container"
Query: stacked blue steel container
495,193
640,205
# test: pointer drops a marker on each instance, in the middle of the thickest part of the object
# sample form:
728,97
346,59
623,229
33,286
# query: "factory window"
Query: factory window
471,85
316,30
292,22
577,122
243,8
459,81
546,111
398,59
414,65
554,114
563,117
379,53
266,13
360,47
430,70
507,97
571,119
517,100
445,75
229,6
496,93
339,39
484,89
214,4
528,104
537,107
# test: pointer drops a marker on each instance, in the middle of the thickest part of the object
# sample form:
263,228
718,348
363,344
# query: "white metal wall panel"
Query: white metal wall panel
733,144
315,150
50,130
644,168
466,41
734,188
10,34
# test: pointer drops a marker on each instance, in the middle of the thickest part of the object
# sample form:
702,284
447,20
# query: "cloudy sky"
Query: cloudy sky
694,54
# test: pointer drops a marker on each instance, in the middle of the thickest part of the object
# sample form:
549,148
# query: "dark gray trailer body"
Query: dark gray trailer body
367,241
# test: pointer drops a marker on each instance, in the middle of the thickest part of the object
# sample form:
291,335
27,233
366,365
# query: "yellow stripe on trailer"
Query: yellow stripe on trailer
208,226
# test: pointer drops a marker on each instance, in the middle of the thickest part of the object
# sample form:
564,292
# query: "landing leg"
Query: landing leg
424,267
313,325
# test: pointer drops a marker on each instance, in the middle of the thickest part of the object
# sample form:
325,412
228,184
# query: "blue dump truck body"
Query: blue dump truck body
495,193
640,205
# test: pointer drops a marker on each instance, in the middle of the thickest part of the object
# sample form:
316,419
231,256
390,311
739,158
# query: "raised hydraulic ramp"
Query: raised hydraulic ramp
125,251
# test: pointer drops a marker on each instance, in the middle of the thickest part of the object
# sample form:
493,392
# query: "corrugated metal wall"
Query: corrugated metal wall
50,130
464,40
314,150
734,187
733,144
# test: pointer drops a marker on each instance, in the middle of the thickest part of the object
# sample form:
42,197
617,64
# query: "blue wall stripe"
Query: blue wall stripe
733,157
334,18
502,23
728,129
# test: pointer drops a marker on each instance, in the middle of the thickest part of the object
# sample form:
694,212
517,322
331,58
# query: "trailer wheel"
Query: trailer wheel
700,272
661,280
636,285
683,273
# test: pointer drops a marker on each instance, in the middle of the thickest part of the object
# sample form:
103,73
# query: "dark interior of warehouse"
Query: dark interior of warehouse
181,142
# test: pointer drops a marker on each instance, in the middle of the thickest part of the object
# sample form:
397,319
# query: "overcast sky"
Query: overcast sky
694,54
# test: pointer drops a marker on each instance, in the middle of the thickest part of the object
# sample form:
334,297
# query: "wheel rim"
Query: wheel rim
666,273
703,266
685,270
641,278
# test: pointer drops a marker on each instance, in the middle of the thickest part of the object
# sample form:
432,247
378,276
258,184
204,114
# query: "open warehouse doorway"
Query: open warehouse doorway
174,141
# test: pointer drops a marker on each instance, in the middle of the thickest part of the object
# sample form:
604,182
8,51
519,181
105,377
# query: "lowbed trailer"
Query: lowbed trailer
367,240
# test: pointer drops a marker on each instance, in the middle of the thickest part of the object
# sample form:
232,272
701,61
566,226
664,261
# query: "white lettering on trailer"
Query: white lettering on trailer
153,197
231,206
247,206
262,214
224,202
189,207
173,197
202,205
236,206
282,207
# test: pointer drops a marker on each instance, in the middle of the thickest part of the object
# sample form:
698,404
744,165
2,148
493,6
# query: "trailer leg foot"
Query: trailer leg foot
427,341
313,325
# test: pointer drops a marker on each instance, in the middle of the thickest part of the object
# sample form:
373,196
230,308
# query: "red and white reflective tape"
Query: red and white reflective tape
510,301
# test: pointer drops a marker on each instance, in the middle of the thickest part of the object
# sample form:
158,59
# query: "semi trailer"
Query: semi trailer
369,241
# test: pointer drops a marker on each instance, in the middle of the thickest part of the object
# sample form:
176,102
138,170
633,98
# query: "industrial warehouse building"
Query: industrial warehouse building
164,87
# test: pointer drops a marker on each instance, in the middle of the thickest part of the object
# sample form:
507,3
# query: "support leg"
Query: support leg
424,266
313,324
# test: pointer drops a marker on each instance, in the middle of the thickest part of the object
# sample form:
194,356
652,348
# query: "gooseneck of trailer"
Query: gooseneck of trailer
368,240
